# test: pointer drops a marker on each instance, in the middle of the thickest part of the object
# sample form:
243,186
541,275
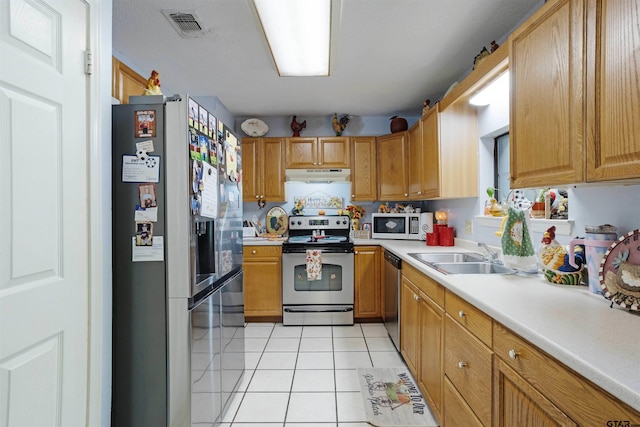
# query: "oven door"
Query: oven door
334,287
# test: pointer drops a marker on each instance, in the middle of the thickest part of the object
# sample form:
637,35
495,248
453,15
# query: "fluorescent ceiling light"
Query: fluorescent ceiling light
497,89
298,33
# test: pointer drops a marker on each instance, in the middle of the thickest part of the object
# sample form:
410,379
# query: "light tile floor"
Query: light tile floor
306,376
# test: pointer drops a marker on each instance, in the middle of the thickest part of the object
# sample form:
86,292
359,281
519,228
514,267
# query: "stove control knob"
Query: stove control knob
299,222
338,222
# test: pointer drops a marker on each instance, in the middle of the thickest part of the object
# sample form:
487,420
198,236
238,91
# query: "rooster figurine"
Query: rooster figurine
153,84
339,125
296,126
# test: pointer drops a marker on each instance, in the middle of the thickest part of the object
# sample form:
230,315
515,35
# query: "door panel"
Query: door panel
44,218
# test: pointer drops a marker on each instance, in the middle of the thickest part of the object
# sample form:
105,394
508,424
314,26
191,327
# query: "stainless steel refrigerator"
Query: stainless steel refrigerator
178,303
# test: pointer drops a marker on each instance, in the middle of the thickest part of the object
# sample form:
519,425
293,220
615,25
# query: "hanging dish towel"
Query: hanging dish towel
314,264
517,249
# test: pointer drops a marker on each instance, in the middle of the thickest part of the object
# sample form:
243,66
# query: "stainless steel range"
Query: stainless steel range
317,271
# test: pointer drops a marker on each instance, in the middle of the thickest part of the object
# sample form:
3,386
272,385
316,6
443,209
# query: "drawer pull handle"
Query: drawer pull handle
513,354
462,364
461,314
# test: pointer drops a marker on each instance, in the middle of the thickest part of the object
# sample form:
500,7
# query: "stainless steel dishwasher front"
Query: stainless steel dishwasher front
392,271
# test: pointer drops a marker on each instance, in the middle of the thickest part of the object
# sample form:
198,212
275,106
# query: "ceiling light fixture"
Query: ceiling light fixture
298,33
497,89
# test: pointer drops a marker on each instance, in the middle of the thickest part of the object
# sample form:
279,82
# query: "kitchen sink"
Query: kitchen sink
447,257
471,268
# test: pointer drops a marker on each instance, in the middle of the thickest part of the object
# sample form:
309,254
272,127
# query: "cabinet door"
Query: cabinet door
125,82
517,403
414,162
250,169
262,281
430,155
333,152
301,153
458,146
392,158
409,324
547,66
364,177
367,282
272,169
430,370
613,149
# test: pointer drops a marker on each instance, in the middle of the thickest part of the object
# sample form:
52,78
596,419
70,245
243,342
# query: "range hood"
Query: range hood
318,175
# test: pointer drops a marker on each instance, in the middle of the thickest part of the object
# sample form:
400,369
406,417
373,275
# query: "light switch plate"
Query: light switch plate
468,226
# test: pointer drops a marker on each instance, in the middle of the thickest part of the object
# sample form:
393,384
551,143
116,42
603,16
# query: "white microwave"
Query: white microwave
409,226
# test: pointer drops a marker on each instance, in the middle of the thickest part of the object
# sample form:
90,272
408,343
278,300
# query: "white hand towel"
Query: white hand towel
314,264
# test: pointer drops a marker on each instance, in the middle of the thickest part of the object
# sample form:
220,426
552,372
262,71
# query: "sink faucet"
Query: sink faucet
492,256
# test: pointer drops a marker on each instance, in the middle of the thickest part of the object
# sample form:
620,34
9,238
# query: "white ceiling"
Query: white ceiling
388,56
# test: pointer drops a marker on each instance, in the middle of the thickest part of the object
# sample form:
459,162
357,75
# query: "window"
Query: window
501,167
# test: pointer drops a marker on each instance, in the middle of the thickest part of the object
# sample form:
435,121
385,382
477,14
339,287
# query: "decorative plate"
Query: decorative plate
619,272
277,221
254,127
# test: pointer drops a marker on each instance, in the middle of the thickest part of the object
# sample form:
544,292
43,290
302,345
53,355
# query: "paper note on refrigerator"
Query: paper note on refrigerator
209,191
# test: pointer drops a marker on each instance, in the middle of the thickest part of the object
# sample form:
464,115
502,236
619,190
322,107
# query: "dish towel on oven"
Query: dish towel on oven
314,264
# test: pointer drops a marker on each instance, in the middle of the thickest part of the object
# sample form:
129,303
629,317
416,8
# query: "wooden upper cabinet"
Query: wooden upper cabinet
547,69
430,154
458,150
414,162
364,176
613,72
322,152
250,169
392,160
125,82
301,153
263,169
333,152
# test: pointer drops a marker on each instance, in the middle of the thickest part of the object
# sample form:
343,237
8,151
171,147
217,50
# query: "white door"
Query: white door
44,274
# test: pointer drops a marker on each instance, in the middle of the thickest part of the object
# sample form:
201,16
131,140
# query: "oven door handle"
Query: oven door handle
330,310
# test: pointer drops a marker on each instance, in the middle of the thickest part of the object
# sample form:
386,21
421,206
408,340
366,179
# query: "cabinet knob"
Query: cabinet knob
419,193
356,252
462,364
353,196
406,194
262,196
253,251
257,196
513,354
461,314
416,297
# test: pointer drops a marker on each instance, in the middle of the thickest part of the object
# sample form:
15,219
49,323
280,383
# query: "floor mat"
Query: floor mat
392,398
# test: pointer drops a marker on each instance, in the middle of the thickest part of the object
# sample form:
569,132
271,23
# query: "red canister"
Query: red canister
432,239
446,236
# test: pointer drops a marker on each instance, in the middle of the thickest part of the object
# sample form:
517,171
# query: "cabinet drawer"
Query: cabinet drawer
457,412
430,287
249,252
470,317
582,401
467,363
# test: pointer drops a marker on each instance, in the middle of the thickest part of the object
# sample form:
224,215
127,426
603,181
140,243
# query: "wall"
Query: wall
321,125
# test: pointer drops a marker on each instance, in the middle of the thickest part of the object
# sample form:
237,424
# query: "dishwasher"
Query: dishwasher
391,279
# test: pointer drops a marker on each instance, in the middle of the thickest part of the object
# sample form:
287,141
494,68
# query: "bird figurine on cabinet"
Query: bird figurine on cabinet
339,124
296,126
153,84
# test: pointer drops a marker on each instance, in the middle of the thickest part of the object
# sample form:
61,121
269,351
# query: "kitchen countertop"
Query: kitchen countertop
570,323
573,325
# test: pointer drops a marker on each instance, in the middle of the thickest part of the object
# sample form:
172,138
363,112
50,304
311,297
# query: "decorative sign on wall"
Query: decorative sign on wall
319,201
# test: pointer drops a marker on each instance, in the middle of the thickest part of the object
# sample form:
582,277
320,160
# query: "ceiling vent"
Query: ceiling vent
185,22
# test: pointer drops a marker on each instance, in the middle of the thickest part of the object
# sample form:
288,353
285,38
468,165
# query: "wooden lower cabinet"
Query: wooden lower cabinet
263,282
531,386
367,286
422,334
457,412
